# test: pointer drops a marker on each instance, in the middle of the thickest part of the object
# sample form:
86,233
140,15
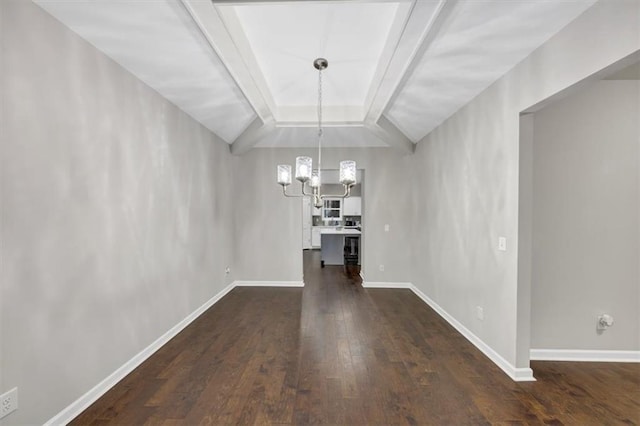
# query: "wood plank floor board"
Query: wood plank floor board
335,353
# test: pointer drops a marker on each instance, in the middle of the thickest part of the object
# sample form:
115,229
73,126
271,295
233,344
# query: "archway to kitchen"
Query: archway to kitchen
332,235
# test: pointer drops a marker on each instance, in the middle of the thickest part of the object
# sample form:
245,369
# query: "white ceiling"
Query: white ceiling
353,35
397,69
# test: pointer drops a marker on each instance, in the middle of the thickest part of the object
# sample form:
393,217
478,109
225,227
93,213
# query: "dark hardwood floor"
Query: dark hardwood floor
334,353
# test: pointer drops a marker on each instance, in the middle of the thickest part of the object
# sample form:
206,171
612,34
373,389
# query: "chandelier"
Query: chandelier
305,173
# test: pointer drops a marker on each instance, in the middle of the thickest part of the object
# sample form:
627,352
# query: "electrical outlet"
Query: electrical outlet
381,268
502,243
9,402
480,313
386,227
227,270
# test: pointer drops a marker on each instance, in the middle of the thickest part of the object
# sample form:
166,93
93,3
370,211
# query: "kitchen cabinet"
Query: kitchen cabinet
352,206
315,236
316,232
306,223
333,242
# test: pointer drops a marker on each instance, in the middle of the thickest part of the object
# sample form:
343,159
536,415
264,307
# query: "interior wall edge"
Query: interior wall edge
517,374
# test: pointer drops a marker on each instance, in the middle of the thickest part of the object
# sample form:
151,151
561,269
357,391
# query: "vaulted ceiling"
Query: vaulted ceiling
397,69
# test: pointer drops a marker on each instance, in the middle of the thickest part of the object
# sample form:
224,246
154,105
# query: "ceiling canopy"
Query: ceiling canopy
397,69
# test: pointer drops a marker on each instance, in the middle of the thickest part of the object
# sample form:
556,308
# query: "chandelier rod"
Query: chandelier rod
320,64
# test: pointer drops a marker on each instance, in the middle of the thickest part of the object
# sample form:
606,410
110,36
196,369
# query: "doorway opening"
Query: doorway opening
332,234
579,226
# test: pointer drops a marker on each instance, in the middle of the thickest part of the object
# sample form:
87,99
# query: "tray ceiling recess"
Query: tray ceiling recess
397,69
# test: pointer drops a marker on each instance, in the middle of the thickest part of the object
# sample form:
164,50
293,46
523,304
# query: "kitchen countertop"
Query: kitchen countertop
333,231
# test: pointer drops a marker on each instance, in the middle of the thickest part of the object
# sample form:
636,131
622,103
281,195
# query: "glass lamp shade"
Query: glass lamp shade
303,168
315,179
347,172
284,174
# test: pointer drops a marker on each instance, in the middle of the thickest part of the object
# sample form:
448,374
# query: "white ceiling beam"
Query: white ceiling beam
391,46
231,46
330,114
435,28
213,28
389,133
420,30
236,31
252,135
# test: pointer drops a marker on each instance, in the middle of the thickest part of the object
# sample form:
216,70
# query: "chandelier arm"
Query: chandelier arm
305,193
347,193
284,191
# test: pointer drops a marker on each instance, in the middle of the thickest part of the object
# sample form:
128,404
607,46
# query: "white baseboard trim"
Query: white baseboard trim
269,283
78,406
516,374
373,284
584,355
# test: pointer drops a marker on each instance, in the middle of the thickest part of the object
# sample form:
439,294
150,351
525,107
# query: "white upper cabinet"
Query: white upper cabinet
332,209
352,206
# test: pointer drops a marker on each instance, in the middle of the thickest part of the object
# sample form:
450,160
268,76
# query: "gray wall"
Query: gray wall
269,227
116,215
466,179
118,211
586,219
